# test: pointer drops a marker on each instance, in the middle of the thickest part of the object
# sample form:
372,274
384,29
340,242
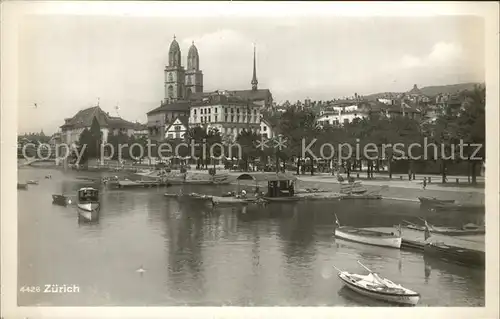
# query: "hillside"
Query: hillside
447,89
431,91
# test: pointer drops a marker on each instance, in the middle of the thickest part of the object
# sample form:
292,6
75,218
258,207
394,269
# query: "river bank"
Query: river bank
392,190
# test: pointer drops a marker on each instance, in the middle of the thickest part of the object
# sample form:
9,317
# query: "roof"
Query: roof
178,106
85,117
415,90
223,99
258,177
183,119
193,51
118,122
253,95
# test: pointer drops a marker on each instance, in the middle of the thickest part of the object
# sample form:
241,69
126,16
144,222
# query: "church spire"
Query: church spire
254,78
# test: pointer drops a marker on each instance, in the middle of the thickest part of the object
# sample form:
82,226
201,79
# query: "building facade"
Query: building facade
74,126
226,112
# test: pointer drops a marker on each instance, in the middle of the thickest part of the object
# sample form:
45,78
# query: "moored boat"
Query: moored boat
466,230
22,186
32,182
372,285
433,201
88,205
366,236
60,200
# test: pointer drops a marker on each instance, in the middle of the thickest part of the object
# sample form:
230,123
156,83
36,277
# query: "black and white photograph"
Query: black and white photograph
251,156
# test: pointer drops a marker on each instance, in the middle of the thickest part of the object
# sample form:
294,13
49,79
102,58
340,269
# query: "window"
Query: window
170,91
232,111
225,118
194,111
170,135
216,118
170,77
232,118
215,110
177,127
210,118
264,128
209,111
238,111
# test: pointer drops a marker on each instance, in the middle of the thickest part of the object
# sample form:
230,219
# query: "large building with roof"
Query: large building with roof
74,126
184,95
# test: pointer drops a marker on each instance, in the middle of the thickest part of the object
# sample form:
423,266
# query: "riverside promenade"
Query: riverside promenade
399,189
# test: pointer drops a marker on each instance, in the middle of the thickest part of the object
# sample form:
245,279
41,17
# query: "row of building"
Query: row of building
186,105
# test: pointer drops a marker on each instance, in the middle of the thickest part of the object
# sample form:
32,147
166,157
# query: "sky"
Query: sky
67,63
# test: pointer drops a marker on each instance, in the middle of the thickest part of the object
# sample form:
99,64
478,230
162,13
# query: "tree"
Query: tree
248,142
198,136
471,126
95,141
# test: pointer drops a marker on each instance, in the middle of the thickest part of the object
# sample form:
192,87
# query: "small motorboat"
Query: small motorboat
372,285
48,176
32,182
366,236
88,205
61,200
22,186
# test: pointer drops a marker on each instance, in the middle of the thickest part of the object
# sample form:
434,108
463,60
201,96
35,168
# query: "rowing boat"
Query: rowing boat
370,237
372,285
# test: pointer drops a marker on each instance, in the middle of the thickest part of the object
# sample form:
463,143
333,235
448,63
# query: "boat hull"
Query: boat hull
282,199
368,237
407,299
88,211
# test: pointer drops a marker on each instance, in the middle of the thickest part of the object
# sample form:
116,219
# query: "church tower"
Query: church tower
254,77
194,76
174,74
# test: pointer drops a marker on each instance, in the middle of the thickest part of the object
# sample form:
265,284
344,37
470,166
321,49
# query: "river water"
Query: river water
279,255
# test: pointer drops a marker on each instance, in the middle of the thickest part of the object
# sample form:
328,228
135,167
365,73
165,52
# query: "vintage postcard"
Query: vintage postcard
228,159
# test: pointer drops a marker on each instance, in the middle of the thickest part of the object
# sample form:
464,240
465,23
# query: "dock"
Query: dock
136,184
466,249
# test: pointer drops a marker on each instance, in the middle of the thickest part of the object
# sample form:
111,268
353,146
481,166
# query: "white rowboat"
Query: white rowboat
370,237
370,286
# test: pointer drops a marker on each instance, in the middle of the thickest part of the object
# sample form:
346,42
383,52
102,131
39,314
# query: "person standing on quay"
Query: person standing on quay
424,183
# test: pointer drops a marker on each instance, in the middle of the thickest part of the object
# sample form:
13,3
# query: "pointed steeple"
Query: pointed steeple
254,78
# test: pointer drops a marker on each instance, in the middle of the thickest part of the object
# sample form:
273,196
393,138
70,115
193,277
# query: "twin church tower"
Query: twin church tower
180,83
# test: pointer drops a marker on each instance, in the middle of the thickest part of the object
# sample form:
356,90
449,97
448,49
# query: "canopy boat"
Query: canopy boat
32,182
88,203
60,200
366,236
372,285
